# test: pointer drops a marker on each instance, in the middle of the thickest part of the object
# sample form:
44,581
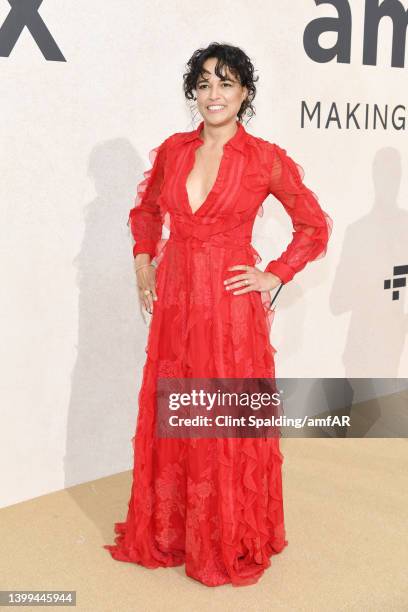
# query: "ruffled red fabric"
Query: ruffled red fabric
145,217
312,226
215,504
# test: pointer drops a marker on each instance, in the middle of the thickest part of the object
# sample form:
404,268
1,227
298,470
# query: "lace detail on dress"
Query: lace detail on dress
214,504
145,218
312,225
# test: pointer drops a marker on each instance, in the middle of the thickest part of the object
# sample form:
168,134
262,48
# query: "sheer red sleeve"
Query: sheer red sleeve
145,217
311,224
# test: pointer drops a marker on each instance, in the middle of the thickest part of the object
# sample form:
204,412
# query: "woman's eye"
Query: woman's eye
203,85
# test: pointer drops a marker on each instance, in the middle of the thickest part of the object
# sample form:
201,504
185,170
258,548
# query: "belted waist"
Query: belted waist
218,240
200,234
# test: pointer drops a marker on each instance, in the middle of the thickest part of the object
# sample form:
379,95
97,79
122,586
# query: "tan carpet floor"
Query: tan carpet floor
346,511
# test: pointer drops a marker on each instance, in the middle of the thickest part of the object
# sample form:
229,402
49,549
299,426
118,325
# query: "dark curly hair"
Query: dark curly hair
238,63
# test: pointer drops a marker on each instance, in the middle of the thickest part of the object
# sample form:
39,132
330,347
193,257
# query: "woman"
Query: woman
214,504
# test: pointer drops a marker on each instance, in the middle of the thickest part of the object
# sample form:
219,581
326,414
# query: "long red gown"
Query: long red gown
214,504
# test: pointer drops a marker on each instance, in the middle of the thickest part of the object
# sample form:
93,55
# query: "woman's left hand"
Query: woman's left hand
251,279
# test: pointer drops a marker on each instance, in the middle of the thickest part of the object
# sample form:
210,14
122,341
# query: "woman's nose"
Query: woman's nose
214,93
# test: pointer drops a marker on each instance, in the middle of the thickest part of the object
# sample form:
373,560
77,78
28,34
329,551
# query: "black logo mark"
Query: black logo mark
402,272
24,13
375,11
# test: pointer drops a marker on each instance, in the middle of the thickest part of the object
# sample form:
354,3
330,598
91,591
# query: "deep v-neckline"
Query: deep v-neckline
189,171
191,164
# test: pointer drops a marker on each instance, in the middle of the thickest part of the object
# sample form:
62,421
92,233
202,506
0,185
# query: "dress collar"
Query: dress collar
237,141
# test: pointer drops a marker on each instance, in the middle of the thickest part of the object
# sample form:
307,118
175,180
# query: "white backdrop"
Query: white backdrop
75,138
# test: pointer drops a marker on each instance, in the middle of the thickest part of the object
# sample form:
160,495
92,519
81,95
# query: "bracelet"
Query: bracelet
142,266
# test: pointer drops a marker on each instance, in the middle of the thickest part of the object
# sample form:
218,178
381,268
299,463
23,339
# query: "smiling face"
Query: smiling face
219,100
